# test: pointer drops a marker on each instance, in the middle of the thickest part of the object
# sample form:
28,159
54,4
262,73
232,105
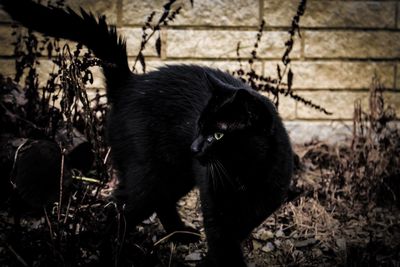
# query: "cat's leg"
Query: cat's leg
173,224
135,200
223,244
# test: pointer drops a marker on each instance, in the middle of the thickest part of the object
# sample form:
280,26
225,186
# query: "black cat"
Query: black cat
179,126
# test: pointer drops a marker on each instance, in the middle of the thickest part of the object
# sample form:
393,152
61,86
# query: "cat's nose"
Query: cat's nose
195,148
196,145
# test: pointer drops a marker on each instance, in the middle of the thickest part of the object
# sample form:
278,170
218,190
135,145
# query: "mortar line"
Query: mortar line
302,45
164,43
260,11
119,13
396,15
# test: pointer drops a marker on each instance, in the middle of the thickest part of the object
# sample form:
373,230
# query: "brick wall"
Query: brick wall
344,43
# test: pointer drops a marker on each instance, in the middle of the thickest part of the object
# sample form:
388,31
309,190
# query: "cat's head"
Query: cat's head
233,115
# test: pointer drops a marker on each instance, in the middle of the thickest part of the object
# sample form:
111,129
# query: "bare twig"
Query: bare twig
19,258
174,233
61,184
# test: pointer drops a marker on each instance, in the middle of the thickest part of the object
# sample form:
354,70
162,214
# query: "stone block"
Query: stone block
398,12
97,7
4,17
7,68
398,76
340,103
44,69
335,74
133,38
203,13
333,132
286,107
393,99
351,44
136,12
323,13
91,93
223,43
6,40
47,66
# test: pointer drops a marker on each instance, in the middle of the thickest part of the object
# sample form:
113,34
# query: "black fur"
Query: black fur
248,170
163,130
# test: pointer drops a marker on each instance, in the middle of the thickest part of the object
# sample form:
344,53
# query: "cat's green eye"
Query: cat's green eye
218,135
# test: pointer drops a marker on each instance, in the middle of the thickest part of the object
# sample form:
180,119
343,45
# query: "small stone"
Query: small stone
256,245
279,233
191,203
152,219
305,243
316,252
93,258
277,243
268,247
341,243
264,235
195,256
182,248
297,254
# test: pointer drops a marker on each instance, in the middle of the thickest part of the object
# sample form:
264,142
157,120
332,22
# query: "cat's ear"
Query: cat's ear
219,88
253,108
242,96
243,101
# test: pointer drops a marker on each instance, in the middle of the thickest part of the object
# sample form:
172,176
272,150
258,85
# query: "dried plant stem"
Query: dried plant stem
107,155
144,42
121,232
19,258
61,184
174,233
15,162
49,224
165,18
172,251
67,211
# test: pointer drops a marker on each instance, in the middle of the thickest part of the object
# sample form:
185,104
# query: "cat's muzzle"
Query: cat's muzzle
198,149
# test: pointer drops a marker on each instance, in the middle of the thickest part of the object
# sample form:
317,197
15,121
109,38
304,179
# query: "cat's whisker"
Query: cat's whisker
215,182
225,173
211,174
220,173
223,169
209,171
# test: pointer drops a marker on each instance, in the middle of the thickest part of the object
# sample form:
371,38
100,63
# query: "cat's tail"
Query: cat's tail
85,28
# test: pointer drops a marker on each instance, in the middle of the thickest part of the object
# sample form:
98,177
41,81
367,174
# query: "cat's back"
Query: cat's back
160,108
173,92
